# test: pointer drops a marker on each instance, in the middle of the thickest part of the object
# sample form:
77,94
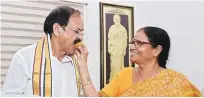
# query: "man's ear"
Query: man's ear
157,50
56,29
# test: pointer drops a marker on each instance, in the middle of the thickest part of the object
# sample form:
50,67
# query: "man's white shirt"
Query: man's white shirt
18,81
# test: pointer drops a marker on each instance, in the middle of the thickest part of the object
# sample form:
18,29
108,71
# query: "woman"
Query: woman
149,50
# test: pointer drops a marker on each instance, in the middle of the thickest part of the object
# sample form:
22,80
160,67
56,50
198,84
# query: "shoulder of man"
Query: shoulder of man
112,27
27,51
123,27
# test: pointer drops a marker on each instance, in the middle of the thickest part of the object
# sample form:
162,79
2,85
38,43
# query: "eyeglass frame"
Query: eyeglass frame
138,43
76,31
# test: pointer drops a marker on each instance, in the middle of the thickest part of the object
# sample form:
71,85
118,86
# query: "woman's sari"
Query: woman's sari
165,83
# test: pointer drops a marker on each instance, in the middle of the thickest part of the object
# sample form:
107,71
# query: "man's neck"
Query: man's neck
117,24
56,51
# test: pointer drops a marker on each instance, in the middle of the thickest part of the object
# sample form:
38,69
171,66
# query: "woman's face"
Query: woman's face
141,49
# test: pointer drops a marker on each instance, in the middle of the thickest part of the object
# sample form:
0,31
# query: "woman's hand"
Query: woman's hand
82,55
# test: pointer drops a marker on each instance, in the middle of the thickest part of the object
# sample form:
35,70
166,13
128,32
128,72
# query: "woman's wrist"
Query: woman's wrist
86,80
85,77
83,67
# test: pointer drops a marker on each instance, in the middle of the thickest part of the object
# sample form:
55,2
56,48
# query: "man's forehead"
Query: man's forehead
76,21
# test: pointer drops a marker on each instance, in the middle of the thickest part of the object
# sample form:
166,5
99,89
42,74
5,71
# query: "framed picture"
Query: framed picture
117,30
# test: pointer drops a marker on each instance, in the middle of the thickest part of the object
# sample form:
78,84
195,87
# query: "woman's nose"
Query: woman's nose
131,46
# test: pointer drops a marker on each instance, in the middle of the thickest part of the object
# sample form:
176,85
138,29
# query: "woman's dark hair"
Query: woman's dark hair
60,15
158,36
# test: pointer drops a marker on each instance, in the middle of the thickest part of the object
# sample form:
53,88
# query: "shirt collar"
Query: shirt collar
65,59
49,44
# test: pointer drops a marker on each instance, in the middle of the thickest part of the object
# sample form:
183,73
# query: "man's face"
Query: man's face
116,19
73,31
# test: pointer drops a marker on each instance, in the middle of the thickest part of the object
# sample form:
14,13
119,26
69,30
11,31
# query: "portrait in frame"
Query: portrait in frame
116,31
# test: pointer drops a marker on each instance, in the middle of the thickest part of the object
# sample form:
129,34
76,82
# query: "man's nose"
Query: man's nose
81,37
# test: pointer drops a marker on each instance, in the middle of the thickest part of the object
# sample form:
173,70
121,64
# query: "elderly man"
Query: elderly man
46,68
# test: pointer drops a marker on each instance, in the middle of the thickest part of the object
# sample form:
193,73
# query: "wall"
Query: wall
183,20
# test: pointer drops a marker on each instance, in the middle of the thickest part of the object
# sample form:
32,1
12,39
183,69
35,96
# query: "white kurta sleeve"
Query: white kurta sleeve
16,78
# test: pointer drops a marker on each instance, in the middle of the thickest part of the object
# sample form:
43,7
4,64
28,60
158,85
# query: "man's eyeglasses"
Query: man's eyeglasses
138,43
76,31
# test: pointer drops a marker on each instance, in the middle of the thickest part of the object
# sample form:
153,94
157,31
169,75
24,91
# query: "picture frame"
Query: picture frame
116,31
